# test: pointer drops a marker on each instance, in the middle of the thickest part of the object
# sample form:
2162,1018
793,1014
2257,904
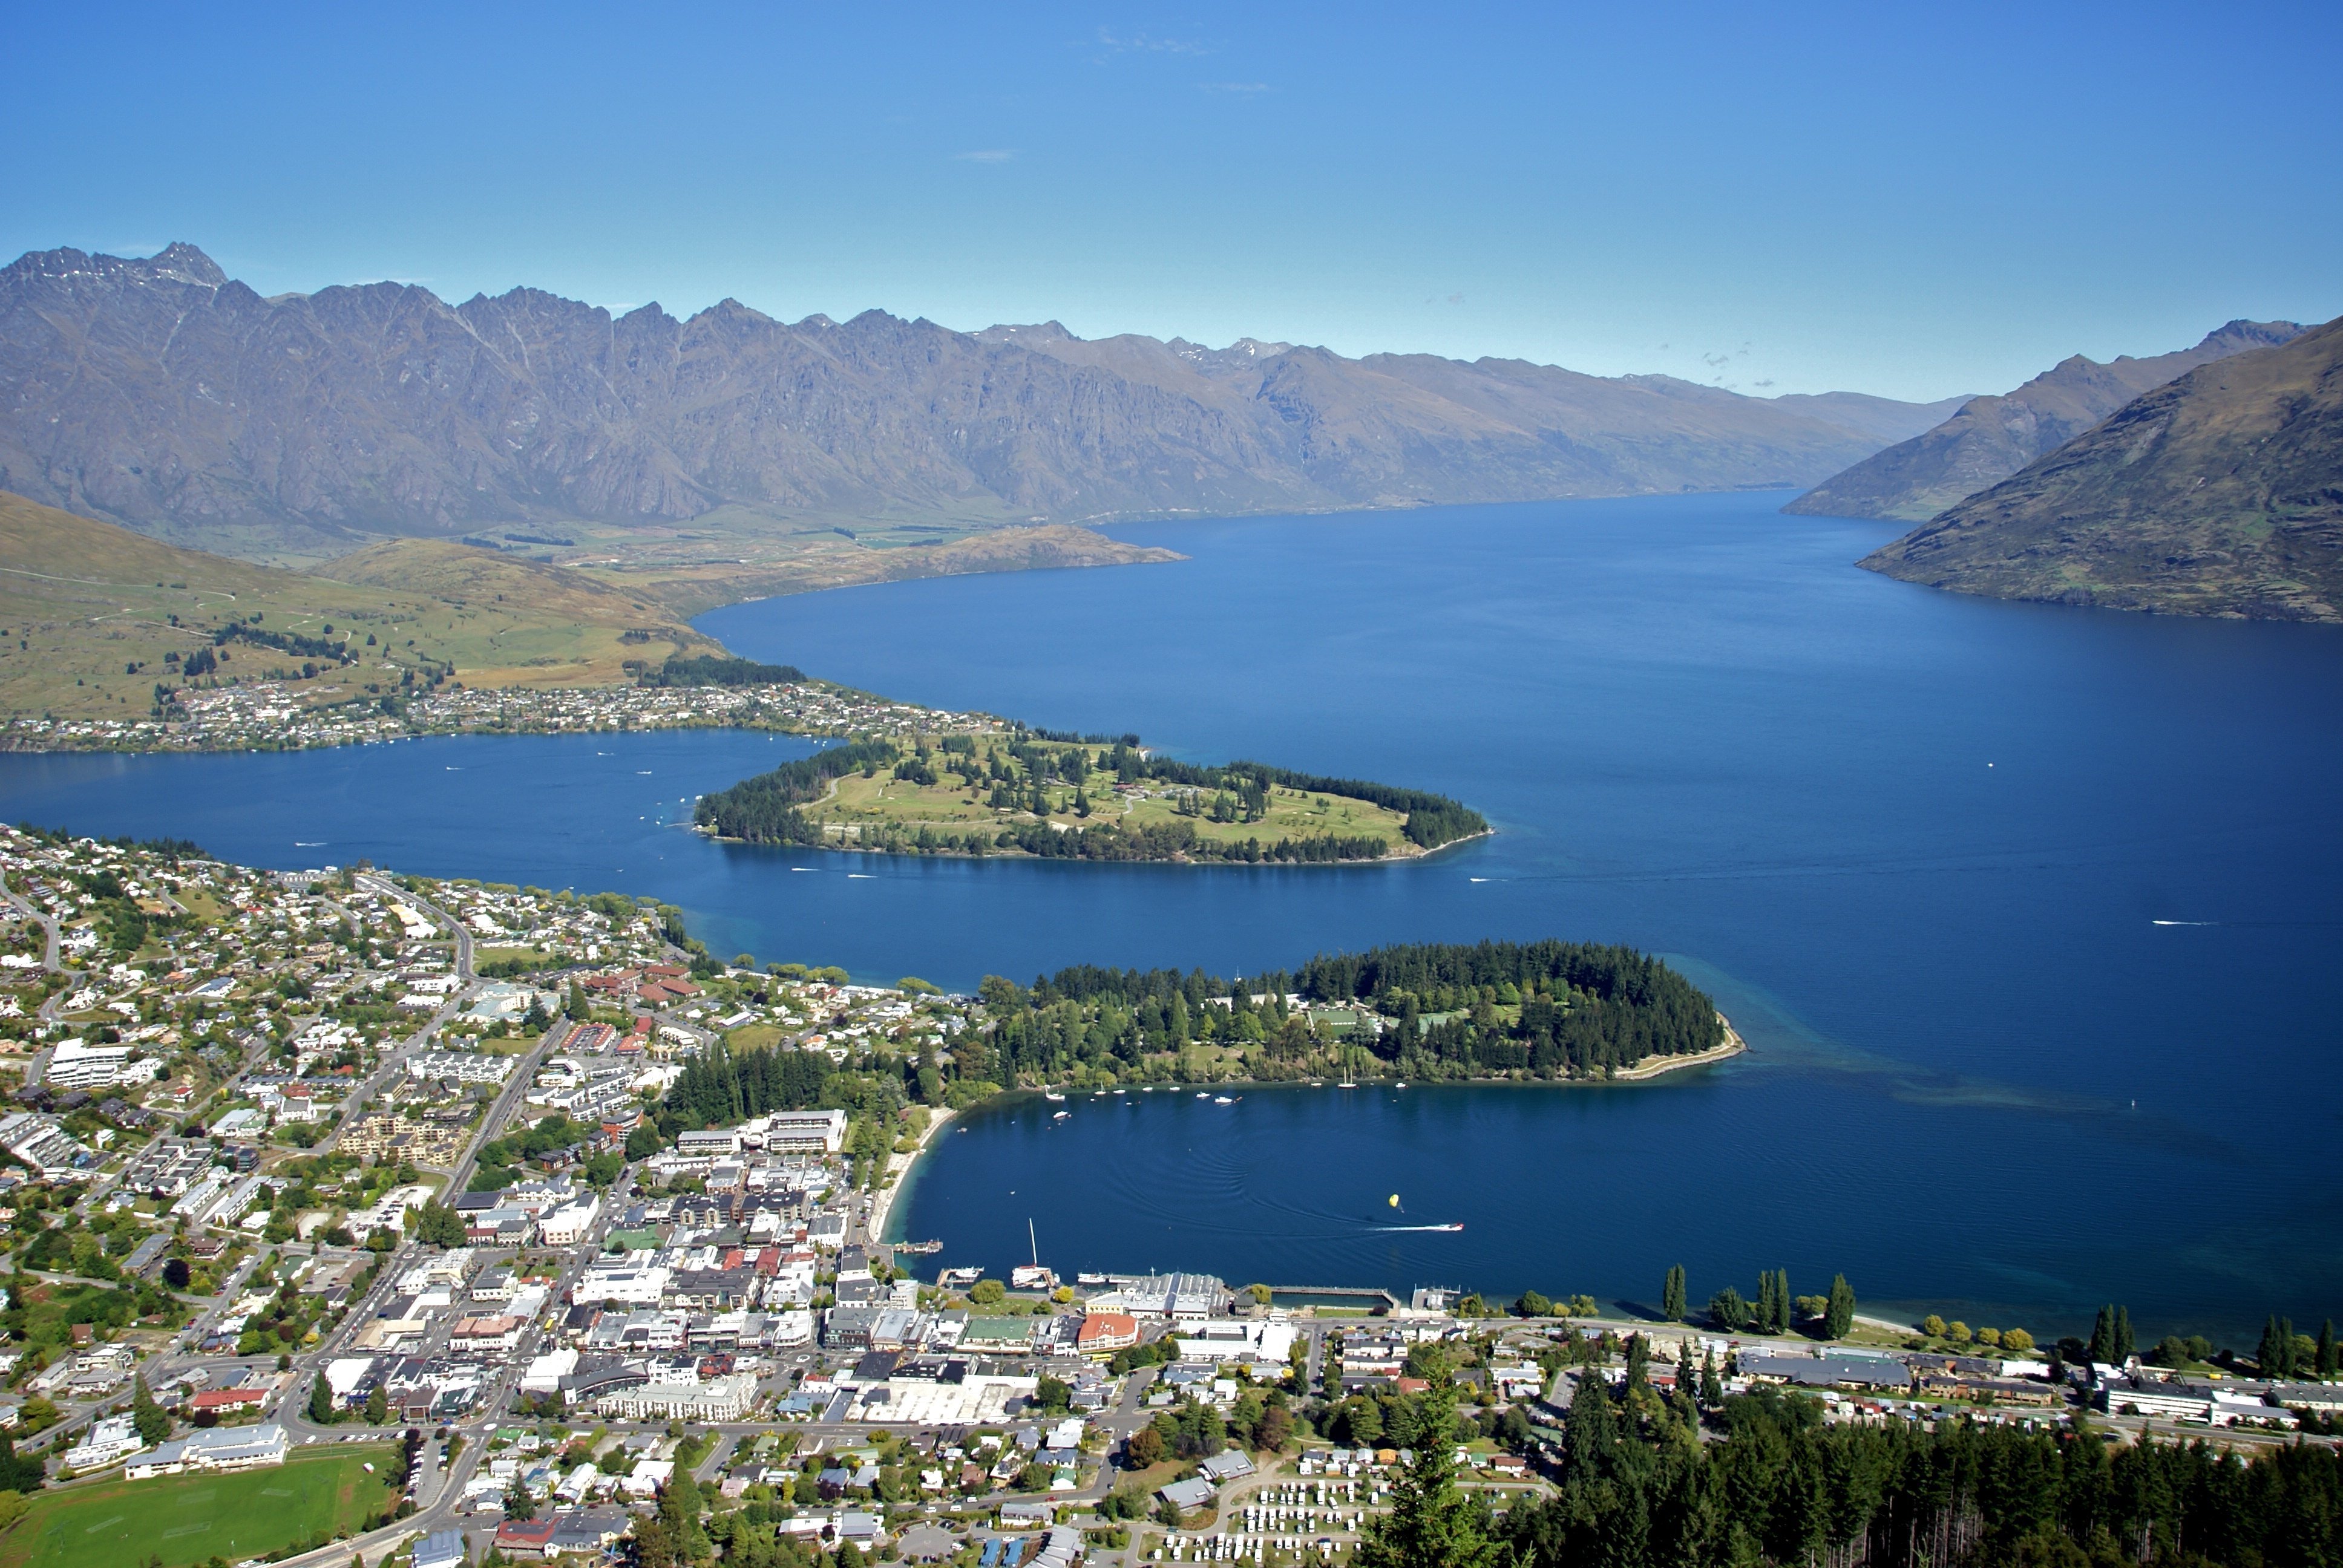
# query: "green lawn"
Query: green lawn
186,1519
950,806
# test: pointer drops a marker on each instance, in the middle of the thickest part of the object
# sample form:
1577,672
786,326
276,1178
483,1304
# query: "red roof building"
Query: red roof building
525,1537
1103,1331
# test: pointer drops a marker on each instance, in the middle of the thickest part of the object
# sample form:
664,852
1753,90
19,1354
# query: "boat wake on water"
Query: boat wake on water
1388,1230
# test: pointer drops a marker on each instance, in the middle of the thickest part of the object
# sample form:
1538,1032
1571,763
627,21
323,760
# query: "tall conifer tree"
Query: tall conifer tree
1432,1523
1839,1316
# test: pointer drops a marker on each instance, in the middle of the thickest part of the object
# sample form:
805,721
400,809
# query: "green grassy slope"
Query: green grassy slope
90,610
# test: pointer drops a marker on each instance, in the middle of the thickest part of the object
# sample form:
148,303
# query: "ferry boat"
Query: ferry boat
1094,1280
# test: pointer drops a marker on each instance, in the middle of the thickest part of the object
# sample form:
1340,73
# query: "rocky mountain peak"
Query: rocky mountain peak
230,421
185,263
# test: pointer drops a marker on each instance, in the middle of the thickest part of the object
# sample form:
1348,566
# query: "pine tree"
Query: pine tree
2103,1336
321,1401
2275,1356
1432,1524
1590,1435
2123,1346
2326,1367
1671,1295
1712,1387
1839,1316
153,1423
1774,1302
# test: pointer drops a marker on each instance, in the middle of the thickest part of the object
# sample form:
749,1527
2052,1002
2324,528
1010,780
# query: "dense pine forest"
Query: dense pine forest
764,810
709,669
1773,1484
1544,1010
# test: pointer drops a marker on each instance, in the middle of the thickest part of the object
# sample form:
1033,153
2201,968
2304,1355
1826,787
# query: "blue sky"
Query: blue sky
1911,200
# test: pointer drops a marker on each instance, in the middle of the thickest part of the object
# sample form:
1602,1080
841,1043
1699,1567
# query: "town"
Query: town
541,1231
271,715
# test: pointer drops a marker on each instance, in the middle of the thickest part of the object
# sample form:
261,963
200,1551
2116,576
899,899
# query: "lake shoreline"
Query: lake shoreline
1408,857
1651,1068
899,1177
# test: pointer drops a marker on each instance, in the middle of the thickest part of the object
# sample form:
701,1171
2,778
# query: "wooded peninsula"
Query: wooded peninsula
1078,797
1547,1011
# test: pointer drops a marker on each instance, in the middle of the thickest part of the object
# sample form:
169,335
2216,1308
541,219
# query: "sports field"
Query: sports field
186,1519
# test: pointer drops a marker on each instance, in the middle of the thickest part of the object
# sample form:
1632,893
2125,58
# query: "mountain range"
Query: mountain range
2221,493
1990,438
162,394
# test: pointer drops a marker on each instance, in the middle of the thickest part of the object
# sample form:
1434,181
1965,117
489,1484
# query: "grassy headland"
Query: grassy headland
110,639
1065,797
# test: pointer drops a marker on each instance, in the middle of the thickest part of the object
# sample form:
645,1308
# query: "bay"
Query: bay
1917,844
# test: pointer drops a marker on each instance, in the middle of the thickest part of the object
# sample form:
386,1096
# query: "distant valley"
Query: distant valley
163,396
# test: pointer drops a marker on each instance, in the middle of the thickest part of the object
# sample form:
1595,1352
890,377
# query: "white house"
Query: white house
215,1448
109,1441
568,1225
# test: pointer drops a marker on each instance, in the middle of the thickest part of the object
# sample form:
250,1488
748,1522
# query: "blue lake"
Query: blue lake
1918,846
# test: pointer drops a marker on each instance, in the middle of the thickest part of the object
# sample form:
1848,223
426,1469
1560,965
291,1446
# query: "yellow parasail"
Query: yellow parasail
1394,1200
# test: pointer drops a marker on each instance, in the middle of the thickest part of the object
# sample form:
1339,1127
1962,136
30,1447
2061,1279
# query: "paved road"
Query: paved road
390,889
53,955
